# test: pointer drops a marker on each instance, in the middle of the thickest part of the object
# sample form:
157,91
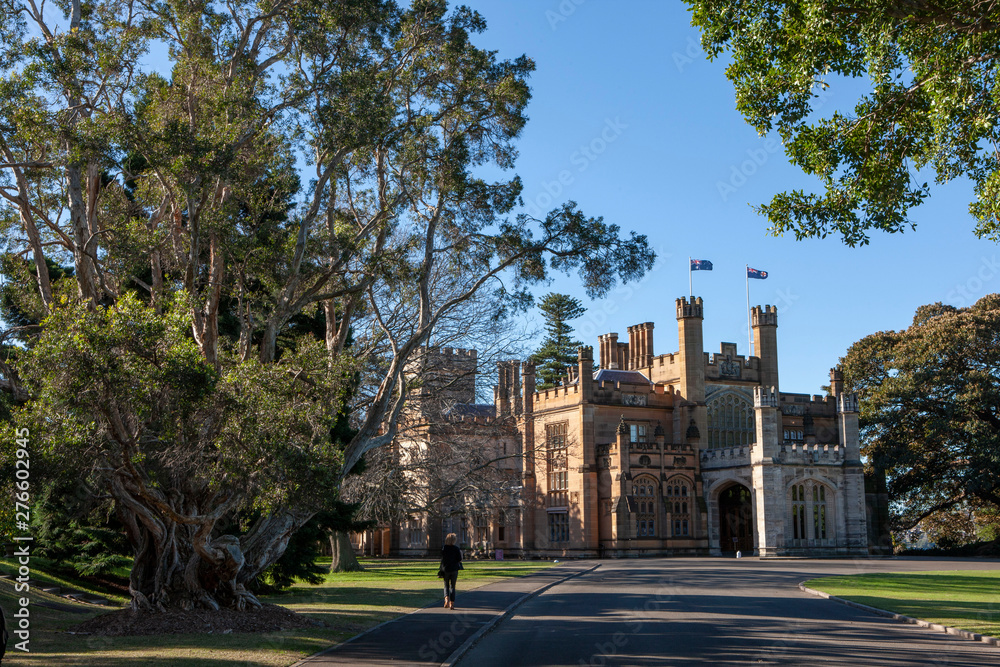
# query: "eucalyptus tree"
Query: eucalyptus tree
928,111
221,177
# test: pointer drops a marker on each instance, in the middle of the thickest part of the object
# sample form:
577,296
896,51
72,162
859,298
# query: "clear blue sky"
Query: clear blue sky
671,158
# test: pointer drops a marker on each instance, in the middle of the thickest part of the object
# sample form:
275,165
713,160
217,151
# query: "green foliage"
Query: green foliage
558,349
127,386
930,408
77,533
930,106
950,528
299,561
196,362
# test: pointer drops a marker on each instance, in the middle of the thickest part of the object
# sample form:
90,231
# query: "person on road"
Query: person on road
451,563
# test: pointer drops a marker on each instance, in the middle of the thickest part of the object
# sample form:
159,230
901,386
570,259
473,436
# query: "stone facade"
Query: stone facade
680,453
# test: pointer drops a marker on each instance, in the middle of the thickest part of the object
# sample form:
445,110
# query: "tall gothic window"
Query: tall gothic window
799,511
819,512
810,514
645,493
557,463
730,420
679,504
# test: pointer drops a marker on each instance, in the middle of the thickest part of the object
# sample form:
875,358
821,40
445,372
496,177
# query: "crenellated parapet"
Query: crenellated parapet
792,453
847,403
799,405
442,376
610,392
693,309
765,397
764,316
725,457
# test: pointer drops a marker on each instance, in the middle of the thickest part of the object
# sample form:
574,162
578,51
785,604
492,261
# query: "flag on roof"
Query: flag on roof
701,265
756,273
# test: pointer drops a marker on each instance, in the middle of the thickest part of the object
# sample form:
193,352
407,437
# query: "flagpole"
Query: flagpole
749,330
690,284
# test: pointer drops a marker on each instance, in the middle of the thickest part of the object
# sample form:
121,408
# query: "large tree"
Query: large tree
193,364
930,408
929,111
558,349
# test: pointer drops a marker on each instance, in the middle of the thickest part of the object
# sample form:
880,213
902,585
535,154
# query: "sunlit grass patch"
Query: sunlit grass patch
964,599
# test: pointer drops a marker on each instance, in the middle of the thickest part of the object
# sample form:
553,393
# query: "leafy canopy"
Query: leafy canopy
930,408
930,108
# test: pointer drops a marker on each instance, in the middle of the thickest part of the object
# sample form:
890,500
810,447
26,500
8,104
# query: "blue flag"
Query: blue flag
701,265
756,273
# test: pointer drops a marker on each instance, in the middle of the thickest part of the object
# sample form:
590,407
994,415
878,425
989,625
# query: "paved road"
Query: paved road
718,612
430,635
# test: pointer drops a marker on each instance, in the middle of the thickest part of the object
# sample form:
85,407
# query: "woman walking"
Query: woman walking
451,563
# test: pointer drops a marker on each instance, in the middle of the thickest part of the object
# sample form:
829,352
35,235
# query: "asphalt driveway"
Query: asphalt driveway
718,612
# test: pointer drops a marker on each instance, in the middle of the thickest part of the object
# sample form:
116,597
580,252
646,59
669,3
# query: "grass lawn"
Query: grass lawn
965,599
349,603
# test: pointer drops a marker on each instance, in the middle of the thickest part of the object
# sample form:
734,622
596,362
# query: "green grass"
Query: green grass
41,571
349,602
963,599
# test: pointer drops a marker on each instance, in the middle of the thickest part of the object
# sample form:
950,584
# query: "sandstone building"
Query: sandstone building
646,454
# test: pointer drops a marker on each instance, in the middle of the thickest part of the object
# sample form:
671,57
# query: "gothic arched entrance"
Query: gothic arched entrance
736,519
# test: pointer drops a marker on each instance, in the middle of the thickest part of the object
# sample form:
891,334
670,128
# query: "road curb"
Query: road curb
500,616
958,632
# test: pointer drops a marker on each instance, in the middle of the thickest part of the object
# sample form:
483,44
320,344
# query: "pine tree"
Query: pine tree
558,349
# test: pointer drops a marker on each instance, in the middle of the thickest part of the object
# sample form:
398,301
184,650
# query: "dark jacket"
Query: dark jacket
451,558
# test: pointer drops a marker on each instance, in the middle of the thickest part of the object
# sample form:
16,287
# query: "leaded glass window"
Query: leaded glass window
730,420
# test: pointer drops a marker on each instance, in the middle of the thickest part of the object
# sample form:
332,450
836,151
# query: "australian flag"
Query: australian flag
701,265
756,273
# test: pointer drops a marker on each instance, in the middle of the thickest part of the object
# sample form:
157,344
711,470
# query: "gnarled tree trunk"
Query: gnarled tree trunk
178,564
344,559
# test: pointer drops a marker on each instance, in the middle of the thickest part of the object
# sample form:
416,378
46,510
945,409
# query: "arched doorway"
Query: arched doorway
735,519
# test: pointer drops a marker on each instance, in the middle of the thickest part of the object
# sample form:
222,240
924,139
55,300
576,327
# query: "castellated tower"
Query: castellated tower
768,478
692,375
854,477
447,376
764,322
689,332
